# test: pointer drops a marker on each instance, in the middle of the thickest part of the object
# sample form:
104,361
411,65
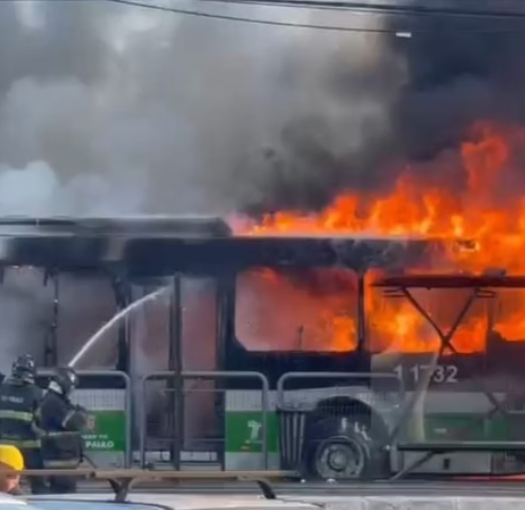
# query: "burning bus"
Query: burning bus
301,312
357,362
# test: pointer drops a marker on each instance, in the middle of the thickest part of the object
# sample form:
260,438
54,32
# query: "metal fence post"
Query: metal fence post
128,459
142,421
265,392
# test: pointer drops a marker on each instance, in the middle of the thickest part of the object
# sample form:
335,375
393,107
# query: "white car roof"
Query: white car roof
7,499
190,502
8,502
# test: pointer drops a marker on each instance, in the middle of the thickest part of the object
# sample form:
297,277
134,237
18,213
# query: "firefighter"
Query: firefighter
11,463
62,422
19,402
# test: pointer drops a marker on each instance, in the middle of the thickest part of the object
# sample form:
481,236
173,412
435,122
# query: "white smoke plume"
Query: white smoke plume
167,113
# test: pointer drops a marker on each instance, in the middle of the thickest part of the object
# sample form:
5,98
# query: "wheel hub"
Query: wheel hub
340,459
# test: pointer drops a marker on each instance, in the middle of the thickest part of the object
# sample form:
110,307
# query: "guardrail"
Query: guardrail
335,375
100,374
167,376
121,481
203,375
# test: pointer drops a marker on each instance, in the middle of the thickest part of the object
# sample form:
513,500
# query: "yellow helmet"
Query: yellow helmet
11,457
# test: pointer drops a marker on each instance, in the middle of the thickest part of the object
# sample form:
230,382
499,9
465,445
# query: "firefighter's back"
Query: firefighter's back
19,401
17,407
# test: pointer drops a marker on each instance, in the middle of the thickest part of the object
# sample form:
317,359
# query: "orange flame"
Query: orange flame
482,203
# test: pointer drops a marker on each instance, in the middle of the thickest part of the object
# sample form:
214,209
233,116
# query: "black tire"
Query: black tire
340,458
356,445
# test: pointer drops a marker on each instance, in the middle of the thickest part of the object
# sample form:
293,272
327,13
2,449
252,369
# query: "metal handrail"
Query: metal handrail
332,375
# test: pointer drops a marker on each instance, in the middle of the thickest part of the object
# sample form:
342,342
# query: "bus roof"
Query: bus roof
124,226
154,246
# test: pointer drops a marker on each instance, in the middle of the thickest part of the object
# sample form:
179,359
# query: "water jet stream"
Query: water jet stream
93,340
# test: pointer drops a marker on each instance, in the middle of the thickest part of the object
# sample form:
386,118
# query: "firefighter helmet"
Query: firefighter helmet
24,368
66,379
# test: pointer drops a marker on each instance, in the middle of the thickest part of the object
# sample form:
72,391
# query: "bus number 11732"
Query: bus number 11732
443,374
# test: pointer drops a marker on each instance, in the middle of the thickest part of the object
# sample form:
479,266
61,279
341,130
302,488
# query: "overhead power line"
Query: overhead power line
244,19
417,10
337,6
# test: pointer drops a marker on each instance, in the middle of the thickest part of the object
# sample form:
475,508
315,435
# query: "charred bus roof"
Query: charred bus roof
160,245
125,226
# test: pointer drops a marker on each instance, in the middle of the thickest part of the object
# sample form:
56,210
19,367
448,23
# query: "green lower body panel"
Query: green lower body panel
471,427
105,437
244,440
452,420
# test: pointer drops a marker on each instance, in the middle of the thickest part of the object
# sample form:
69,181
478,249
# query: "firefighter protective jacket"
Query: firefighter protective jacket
62,423
19,401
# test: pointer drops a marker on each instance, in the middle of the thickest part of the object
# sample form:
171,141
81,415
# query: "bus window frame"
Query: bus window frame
360,316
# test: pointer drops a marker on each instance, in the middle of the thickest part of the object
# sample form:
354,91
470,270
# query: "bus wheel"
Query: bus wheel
347,448
340,458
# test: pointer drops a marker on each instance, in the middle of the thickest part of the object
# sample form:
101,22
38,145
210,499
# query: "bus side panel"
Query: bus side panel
105,437
243,422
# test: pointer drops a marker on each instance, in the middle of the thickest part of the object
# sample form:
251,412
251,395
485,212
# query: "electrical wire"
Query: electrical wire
382,8
243,19
330,5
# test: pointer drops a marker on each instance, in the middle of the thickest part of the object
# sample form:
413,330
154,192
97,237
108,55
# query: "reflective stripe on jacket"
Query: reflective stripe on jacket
61,464
22,443
16,415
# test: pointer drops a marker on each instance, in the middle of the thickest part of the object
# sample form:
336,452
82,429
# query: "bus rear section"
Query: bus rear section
469,390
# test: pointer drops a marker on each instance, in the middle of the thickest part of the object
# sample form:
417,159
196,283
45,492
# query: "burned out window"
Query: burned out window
297,310
52,316
150,339
395,325
85,306
150,331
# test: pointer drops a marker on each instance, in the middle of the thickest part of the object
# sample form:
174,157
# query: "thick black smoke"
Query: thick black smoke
457,69
460,69
340,135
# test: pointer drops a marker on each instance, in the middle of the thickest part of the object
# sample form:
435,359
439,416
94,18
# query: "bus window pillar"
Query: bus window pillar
176,383
361,311
123,297
51,336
